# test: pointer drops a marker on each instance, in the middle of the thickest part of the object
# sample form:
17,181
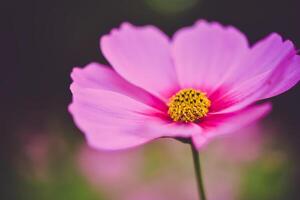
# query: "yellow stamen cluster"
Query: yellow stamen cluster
188,105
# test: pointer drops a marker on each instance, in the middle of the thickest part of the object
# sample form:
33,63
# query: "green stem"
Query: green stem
198,173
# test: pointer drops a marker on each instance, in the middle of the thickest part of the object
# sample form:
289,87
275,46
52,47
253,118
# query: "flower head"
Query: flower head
200,84
188,105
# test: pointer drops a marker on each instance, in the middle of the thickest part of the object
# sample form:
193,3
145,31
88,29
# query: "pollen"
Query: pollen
188,105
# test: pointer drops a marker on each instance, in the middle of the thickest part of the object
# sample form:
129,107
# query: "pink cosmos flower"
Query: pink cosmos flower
200,84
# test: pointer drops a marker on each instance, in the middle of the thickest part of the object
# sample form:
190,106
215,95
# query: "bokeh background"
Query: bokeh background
43,155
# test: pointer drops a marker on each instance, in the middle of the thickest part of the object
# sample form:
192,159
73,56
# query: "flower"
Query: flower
200,84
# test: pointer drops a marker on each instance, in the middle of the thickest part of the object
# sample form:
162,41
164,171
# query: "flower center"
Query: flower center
188,105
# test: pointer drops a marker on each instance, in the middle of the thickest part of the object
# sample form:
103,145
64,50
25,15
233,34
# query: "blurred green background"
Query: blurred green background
43,155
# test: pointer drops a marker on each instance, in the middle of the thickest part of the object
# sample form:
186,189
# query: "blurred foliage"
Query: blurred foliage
60,178
267,179
47,168
171,7
65,183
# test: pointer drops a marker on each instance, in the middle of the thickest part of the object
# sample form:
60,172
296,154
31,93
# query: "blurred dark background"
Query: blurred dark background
42,40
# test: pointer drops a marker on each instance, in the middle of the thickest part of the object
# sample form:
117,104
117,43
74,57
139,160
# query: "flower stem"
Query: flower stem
198,173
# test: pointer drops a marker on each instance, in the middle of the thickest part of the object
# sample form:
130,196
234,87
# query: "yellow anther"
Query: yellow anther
188,105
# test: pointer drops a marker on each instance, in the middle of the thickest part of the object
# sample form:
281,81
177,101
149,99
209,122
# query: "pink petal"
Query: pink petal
264,56
217,60
113,121
206,52
220,124
289,78
98,76
259,74
142,56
